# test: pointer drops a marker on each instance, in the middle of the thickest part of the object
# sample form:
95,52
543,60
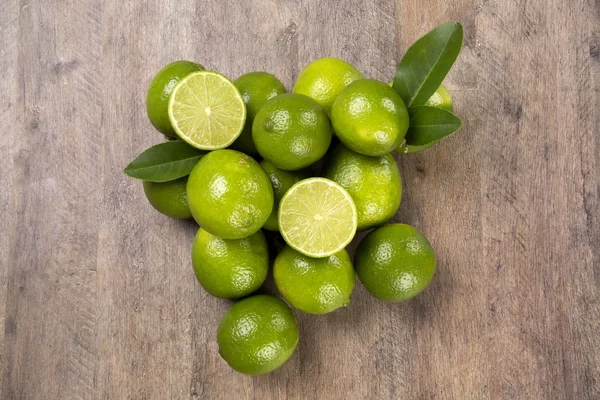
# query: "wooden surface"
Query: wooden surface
98,295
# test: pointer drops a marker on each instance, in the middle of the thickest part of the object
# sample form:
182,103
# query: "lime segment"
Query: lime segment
317,217
207,110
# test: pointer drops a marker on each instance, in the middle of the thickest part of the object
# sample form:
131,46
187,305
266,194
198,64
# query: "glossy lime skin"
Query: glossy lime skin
373,182
229,194
169,198
157,98
281,181
370,117
230,268
292,131
256,89
324,79
395,262
257,335
441,99
314,285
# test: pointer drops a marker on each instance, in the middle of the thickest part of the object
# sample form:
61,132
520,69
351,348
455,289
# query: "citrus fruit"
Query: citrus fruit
323,79
256,88
281,181
206,110
230,268
317,217
395,262
257,335
169,197
373,182
275,242
370,117
157,98
314,285
229,194
441,99
292,131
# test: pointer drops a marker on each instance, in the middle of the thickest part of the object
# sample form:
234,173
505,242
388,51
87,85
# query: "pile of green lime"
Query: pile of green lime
245,156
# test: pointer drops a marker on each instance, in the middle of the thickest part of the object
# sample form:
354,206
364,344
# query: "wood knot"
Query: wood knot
594,51
65,67
420,169
514,110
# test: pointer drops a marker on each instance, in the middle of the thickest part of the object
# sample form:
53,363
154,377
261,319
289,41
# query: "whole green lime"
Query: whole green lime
230,268
292,131
373,182
370,117
323,79
229,194
395,262
157,98
169,198
256,89
281,181
314,285
257,335
441,99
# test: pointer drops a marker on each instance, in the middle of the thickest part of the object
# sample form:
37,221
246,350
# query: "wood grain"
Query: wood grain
100,298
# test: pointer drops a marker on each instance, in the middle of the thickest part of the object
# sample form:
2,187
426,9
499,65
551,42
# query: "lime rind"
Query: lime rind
207,111
317,217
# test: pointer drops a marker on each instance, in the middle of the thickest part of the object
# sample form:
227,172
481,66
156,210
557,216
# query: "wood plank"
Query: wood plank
531,186
101,300
52,269
10,114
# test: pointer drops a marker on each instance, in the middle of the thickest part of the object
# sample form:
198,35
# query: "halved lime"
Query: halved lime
207,110
317,217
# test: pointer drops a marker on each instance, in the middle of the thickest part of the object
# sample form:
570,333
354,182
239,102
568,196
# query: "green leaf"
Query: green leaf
427,62
427,126
164,162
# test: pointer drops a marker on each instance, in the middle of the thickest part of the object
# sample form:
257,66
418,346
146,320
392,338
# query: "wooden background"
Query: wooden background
98,298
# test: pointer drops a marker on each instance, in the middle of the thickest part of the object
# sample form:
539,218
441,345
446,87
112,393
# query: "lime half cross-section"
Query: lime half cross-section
207,110
317,217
